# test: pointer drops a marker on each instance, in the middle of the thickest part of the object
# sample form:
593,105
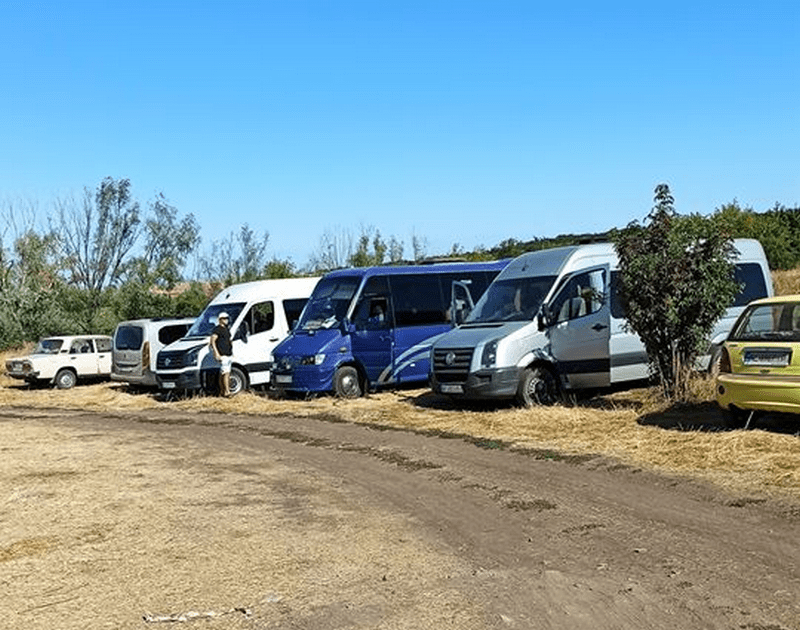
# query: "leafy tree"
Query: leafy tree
168,243
31,304
676,280
96,237
240,257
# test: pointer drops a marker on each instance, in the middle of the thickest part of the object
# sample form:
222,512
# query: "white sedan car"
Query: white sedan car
61,361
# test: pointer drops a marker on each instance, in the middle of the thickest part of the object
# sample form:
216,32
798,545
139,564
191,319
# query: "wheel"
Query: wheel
537,386
714,361
66,379
238,381
346,383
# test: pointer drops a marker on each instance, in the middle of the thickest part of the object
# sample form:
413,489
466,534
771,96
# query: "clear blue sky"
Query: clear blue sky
460,121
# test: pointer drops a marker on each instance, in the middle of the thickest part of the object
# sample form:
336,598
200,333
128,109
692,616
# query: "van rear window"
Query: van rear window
750,275
128,338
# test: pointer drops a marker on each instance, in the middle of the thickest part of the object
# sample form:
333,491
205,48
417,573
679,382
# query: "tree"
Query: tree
96,237
676,279
168,242
240,257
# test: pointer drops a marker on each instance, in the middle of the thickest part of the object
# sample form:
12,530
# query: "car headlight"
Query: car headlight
489,356
315,359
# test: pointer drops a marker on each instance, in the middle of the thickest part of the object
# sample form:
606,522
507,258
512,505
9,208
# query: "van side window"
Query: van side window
168,334
261,317
617,303
419,300
373,310
292,309
751,278
583,294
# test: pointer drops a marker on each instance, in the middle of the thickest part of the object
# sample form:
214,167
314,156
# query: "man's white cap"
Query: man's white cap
223,315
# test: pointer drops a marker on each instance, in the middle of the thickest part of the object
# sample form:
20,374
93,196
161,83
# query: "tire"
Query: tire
346,382
713,363
66,379
537,386
238,381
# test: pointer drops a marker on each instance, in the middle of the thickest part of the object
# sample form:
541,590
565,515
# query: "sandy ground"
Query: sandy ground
140,519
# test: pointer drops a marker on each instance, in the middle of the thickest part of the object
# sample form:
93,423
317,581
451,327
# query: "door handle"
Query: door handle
598,327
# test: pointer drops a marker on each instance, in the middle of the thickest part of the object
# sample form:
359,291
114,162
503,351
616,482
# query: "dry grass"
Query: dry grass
634,427
786,282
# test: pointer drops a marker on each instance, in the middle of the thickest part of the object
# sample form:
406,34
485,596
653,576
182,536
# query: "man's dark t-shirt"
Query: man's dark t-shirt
224,345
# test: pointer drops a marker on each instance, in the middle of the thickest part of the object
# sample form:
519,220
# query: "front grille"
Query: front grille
452,364
169,360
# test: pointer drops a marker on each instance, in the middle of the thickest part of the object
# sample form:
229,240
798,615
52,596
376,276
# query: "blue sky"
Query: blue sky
459,122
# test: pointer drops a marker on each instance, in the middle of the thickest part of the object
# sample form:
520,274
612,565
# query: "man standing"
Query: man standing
222,347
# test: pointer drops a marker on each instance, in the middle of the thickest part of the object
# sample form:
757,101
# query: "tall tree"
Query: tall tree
676,280
96,236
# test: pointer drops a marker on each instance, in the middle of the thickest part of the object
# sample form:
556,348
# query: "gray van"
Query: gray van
552,322
136,346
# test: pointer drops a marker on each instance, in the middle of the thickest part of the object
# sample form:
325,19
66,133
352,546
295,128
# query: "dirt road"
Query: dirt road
132,520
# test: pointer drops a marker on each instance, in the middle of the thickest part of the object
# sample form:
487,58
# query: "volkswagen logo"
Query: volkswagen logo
450,358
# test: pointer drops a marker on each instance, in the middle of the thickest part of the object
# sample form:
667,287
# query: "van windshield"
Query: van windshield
328,304
511,300
204,324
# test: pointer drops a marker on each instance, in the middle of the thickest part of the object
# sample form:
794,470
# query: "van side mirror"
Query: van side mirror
543,318
347,325
242,332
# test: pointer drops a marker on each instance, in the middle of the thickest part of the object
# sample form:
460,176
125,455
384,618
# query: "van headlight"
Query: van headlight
315,359
190,358
489,356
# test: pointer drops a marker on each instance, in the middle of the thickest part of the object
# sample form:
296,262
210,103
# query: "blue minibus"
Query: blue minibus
368,327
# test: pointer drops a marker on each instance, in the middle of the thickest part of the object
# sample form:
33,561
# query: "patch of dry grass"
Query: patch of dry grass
634,427
786,281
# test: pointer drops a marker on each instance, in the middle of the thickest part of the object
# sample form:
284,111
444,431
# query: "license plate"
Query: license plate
282,379
767,358
168,385
452,389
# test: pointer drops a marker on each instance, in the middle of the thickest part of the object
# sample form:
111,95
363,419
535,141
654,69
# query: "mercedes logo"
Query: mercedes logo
450,358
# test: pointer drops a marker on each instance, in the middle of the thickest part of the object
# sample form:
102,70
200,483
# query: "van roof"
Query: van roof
278,288
550,262
438,267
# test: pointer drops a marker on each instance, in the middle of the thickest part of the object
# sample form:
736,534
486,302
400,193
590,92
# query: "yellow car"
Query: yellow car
759,370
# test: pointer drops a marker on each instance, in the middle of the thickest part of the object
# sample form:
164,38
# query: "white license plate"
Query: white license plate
452,389
168,385
767,358
282,379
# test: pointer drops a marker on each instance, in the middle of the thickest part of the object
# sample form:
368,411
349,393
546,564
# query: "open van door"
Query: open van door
461,302
579,318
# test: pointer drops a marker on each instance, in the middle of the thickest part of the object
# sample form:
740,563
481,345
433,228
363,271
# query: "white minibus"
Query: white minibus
261,315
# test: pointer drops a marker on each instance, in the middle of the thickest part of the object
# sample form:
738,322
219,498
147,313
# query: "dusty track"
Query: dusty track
281,522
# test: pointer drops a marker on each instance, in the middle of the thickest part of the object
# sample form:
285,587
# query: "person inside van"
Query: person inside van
222,347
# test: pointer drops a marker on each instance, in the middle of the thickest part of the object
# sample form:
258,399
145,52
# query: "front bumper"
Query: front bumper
303,378
187,379
483,384
779,394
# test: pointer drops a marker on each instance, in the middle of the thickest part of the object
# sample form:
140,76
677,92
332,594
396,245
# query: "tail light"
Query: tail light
146,355
725,362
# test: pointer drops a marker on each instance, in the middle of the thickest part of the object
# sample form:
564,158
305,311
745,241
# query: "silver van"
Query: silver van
552,321
137,344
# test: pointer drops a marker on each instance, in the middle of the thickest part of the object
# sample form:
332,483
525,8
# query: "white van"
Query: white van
552,319
261,315
137,343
